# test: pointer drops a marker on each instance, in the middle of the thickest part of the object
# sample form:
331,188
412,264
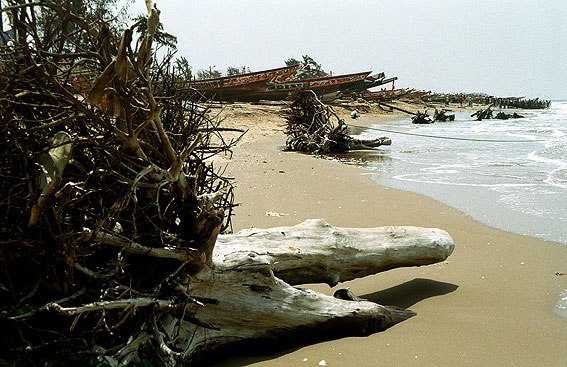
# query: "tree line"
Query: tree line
54,30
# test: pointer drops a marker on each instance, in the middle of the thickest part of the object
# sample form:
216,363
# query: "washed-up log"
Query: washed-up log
248,296
316,252
362,144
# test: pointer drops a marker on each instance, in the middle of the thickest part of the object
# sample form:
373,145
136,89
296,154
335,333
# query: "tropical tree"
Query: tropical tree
162,38
208,74
58,23
183,69
233,70
311,69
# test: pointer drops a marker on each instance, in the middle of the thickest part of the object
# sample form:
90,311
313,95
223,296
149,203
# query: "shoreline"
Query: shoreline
470,197
490,303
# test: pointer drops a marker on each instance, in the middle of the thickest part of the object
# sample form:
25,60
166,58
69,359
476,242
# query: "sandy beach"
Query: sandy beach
490,304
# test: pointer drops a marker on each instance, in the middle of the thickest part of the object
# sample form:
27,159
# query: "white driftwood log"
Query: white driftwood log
316,252
244,297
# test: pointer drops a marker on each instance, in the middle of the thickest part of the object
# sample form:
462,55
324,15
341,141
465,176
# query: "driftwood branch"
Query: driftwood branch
365,144
112,305
181,254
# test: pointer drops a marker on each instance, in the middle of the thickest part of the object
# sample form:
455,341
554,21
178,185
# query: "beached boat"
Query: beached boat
384,95
328,87
417,94
82,80
241,87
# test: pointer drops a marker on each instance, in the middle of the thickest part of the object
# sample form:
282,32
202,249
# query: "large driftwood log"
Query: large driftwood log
246,296
316,252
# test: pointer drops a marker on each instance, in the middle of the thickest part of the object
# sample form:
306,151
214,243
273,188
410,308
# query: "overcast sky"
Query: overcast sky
503,48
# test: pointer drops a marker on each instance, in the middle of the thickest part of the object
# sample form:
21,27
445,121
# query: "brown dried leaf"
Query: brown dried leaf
121,67
99,86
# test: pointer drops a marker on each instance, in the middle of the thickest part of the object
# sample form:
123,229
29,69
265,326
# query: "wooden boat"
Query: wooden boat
417,94
326,87
82,80
368,82
371,82
241,87
384,95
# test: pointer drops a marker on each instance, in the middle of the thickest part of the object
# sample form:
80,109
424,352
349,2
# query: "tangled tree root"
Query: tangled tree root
316,128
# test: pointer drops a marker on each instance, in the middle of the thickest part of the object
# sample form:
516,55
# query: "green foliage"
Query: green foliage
161,38
208,74
233,70
311,68
56,24
292,61
183,69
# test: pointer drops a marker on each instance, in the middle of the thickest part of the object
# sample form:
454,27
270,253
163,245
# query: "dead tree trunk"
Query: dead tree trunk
247,294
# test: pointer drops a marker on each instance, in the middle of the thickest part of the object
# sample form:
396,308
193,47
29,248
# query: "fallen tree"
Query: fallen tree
316,128
248,292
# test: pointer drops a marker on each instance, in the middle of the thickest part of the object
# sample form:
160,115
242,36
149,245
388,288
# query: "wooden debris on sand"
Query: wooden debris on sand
505,116
108,194
442,116
421,118
315,127
249,295
483,114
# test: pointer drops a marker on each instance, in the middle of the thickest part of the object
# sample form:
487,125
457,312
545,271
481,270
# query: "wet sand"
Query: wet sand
490,304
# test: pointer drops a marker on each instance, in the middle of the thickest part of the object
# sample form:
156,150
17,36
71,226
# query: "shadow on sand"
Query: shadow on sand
404,296
409,293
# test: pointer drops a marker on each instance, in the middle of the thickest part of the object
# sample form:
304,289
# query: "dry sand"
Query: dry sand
490,304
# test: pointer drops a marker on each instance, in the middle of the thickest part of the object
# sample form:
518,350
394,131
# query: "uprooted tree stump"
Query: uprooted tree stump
112,211
421,118
316,128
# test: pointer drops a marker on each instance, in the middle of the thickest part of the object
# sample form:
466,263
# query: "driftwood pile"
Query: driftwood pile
107,197
316,128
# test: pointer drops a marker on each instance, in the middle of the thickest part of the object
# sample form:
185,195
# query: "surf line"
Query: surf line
446,137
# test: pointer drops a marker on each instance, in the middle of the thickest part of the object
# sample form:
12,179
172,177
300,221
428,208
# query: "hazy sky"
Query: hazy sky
503,48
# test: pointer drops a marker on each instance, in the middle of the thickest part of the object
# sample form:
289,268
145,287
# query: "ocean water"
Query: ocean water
510,174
